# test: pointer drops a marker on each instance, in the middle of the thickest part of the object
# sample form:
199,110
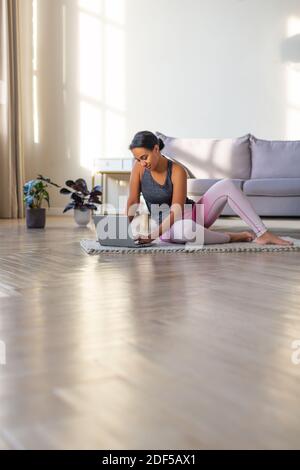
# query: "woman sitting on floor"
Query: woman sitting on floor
163,182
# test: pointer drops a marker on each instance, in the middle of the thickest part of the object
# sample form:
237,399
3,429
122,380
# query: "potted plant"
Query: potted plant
34,193
83,201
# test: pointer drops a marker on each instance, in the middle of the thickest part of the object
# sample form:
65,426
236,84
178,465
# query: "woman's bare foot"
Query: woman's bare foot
270,238
241,236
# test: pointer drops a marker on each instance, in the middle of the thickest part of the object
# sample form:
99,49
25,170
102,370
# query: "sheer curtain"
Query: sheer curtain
11,134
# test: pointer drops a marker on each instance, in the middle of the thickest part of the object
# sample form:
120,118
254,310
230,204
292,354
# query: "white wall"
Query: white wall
209,68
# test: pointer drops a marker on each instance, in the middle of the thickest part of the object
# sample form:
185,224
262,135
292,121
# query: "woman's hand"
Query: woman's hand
142,239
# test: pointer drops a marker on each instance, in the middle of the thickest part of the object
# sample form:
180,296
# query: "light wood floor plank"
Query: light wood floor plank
159,351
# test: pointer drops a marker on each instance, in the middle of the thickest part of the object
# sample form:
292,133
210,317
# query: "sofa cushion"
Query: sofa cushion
272,187
271,206
275,158
197,187
210,158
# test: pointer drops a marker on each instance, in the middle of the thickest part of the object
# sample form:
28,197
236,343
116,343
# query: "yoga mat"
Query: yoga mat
93,247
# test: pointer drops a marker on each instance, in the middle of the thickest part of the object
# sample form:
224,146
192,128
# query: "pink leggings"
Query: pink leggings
214,201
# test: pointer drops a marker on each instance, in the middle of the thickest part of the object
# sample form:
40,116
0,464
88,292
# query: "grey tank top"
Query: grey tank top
159,194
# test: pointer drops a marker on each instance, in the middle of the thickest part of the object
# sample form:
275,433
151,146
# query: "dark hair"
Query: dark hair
147,140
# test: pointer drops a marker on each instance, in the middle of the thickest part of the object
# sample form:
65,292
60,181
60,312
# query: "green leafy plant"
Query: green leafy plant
35,192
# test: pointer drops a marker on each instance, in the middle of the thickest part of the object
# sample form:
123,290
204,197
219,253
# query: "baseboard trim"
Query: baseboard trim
59,211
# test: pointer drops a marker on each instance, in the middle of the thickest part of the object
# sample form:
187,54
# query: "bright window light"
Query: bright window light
92,6
114,67
90,56
101,76
91,135
36,132
115,11
114,134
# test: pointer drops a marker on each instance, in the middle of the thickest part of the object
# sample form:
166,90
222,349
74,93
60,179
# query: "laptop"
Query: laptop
115,230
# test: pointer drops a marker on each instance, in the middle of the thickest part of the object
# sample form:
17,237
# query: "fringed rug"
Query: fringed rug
93,247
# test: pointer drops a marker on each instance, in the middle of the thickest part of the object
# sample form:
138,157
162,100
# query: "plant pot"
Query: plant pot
35,218
82,218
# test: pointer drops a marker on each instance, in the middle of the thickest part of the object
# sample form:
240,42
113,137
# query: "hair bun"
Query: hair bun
146,139
160,143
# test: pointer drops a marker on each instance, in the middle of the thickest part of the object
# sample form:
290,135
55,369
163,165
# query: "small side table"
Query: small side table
103,175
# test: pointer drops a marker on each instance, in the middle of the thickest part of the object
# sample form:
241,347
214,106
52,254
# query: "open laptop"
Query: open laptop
115,230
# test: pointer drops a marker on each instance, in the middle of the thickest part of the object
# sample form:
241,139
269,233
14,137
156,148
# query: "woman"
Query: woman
162,181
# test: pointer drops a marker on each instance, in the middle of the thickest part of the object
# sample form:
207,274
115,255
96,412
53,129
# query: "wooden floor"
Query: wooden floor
149,351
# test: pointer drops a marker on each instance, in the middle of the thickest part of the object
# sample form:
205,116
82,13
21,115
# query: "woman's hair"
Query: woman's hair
147,140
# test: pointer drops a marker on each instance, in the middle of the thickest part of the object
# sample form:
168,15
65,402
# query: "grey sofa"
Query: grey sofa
267,171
